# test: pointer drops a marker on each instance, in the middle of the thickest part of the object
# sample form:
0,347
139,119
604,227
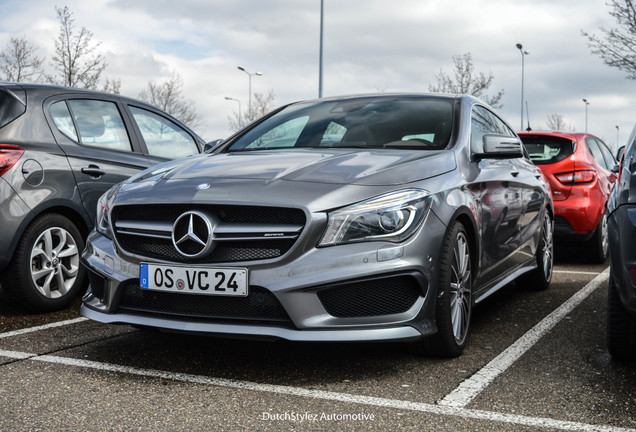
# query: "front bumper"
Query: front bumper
306,287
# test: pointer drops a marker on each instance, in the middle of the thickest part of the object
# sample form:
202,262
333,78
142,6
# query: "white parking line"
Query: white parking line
577,272
42,327
471,387
324,395
454,404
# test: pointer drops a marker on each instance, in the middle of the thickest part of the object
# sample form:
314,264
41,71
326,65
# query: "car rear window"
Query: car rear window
545,150
10,107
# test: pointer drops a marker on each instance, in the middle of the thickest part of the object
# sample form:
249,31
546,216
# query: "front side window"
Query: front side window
367,122
163,137
92,123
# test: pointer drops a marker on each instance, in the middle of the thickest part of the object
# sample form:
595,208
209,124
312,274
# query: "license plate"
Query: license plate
194,280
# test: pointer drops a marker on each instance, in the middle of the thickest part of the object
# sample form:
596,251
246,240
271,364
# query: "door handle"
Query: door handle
93,171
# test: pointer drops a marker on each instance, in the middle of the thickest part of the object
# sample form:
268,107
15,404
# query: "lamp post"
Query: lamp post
586,104
239,111
249,103
322,14
523,55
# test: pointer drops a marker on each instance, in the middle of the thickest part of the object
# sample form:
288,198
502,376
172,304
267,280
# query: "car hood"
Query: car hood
338,167
313,179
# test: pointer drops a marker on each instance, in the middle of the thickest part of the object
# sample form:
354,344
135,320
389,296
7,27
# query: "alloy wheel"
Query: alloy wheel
460,289
54,262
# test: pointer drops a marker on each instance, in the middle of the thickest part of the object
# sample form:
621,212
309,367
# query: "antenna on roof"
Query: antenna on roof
528,117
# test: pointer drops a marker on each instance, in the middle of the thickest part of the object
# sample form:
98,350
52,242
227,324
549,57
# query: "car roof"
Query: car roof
446,96
570,135
46,90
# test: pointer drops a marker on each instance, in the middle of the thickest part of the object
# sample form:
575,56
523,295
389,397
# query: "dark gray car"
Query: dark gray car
60,149
621,225
366,218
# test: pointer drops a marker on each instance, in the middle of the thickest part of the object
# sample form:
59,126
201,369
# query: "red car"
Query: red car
581,171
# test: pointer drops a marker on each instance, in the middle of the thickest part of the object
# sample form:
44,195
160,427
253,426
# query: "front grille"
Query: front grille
372,297
242,233
259,305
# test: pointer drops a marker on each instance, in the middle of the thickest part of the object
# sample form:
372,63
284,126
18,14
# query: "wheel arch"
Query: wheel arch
77,216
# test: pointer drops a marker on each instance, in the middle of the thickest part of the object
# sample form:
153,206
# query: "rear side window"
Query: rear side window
593,147
10,108
91,122
545,150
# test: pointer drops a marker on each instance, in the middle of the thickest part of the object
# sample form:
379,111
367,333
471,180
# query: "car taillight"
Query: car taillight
9,155
576,177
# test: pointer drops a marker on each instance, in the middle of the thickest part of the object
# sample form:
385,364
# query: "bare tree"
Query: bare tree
466,80
76,58
19,61
617,46
261,105
556,122
112,86
167,96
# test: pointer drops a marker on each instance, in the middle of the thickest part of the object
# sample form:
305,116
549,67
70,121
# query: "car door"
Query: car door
501,197
100,149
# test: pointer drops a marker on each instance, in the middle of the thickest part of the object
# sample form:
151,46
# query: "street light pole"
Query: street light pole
523,54
586,104
617,137
322,14
239,111
249,103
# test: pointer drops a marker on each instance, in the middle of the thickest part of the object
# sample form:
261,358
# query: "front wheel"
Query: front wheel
454,302
600,241
45,269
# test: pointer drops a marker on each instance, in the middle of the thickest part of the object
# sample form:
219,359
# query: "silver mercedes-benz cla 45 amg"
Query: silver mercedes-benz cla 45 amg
361,218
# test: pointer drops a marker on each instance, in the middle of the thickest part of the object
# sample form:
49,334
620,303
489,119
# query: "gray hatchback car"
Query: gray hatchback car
363,218
61,148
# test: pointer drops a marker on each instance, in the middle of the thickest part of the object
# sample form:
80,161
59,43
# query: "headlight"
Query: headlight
104,204
391,217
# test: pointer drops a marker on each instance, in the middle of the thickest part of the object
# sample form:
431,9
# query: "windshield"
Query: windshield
371,122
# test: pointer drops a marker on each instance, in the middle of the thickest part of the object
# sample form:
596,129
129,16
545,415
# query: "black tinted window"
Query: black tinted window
10,108
418,123
545,150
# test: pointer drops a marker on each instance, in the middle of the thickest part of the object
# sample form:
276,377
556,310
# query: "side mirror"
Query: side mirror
500,147
212,145
616,168
619,153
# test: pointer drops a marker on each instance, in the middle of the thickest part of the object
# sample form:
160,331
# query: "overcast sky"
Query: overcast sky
370,46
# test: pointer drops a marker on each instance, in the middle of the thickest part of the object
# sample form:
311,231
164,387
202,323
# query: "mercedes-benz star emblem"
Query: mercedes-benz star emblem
193,234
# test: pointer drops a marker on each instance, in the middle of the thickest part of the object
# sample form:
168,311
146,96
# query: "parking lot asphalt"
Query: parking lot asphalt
536,361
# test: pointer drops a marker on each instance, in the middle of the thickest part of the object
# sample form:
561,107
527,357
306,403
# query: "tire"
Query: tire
621,327
454,305
600,241
45,272
540,278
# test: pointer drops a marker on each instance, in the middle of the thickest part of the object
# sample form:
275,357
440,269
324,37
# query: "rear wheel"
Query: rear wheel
621,327
45,272
600,241
454,302
540,278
